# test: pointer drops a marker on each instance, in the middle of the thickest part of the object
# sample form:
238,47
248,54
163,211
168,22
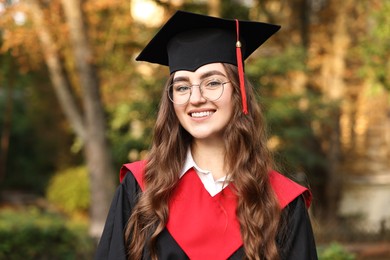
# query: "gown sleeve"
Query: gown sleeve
296,239
111,245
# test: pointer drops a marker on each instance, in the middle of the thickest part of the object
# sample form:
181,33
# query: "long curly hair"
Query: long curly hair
248,161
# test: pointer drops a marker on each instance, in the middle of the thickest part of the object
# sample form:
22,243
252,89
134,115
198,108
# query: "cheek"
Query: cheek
228,101
179,111
230,110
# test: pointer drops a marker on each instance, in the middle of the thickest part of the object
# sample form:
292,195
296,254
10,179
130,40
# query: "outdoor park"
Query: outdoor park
75,106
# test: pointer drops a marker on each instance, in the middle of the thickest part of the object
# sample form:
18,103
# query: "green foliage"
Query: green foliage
130,129
38,142
32,234
375,46
335,252
69,190
290,115
291,59
131,122
293,126
234,9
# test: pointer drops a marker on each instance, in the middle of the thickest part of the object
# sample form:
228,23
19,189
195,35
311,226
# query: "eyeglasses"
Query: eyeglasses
211,89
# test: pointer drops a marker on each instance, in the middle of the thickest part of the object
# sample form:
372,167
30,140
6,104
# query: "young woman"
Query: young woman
207,189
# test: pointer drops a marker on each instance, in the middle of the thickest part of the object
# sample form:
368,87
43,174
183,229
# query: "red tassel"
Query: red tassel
241,71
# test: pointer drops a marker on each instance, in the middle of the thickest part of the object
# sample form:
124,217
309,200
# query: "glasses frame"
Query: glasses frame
200,89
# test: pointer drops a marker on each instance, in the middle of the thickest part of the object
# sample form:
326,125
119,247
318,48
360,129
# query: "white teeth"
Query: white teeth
201,114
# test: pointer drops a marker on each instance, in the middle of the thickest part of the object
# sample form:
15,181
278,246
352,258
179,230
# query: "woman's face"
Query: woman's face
201,117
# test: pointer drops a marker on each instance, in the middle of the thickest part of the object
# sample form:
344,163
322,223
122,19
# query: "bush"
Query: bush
335,252
69,190
32,234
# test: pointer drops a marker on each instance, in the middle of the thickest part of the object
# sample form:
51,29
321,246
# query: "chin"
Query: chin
206,136
200,135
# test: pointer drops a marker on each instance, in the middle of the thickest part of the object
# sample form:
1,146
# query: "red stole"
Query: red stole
206,227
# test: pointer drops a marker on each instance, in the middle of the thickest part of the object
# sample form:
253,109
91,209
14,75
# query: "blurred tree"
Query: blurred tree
214,7
293,108
9,70
328,61
39,138
34,147
97,150
376,57
89,125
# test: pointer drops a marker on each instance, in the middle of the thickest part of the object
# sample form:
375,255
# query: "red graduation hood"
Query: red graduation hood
206,227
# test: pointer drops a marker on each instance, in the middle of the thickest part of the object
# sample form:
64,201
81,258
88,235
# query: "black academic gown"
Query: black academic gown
295,238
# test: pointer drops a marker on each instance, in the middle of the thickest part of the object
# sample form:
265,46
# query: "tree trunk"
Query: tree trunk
90,128
57,73
96,147
214,7
336,42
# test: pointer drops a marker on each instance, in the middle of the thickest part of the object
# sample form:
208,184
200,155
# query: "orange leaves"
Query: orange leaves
20,38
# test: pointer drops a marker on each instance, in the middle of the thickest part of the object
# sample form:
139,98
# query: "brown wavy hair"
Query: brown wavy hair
249,162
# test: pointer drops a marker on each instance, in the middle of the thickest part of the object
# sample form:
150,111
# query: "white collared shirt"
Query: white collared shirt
211,185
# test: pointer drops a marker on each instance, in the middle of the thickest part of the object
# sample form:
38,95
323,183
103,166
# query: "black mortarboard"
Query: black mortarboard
188,41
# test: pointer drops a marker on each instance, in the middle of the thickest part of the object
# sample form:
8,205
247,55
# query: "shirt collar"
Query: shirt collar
190,163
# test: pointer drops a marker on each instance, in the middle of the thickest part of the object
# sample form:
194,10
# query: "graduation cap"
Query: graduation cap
188,41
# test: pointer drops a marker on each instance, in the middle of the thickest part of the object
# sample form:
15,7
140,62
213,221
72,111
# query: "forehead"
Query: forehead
201,71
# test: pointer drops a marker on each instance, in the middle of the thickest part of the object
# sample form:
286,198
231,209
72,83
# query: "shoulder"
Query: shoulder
295,232
136,168
287,190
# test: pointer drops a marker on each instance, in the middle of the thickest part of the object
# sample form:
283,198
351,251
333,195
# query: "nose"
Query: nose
196,95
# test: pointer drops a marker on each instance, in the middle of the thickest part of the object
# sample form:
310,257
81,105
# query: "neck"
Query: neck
210,156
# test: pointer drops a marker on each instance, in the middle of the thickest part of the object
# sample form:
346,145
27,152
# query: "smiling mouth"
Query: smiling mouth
201,114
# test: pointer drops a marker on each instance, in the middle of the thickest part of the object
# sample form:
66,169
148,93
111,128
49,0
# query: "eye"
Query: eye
181,87
213,83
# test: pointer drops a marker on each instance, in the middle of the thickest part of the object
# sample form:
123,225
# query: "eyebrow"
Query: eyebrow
203,76
211,73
